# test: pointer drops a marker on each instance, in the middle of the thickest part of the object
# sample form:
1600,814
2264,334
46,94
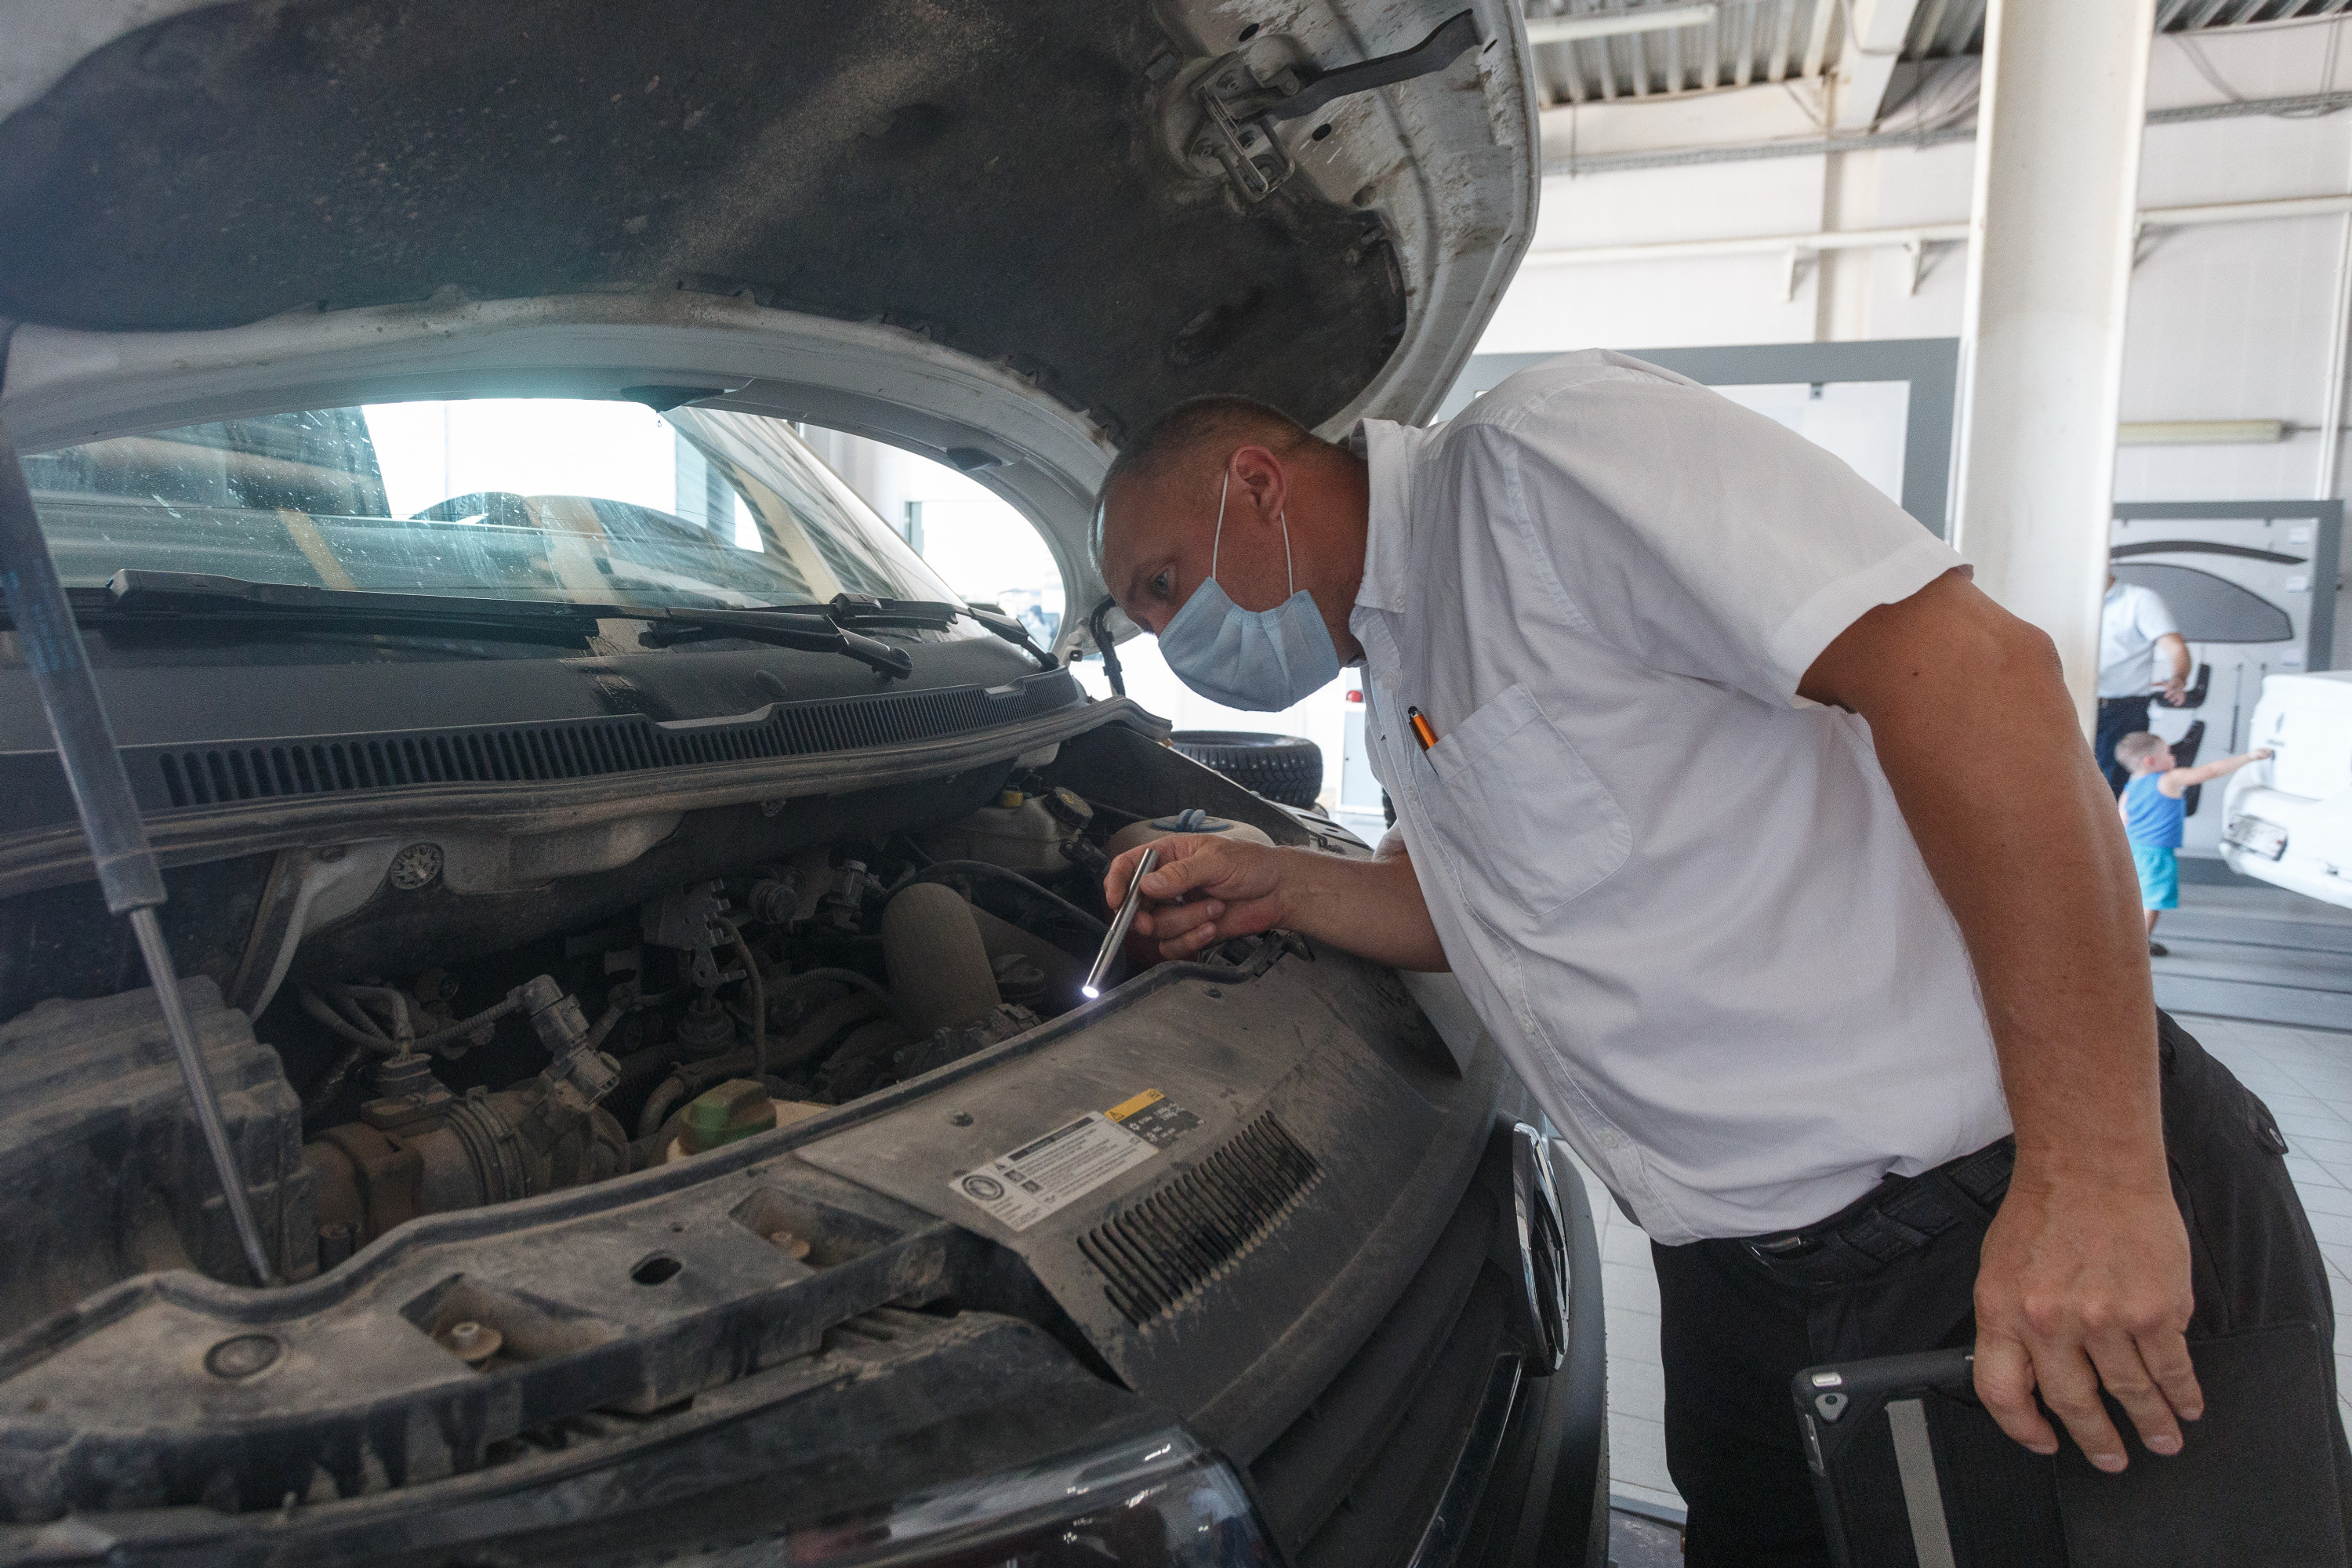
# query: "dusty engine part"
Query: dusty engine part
843,904
103,1173
1194,820
775,896
1021,832
1062,970
707,1029
939,965
683,919
1020,979
419,1149
574,1063
1001,1023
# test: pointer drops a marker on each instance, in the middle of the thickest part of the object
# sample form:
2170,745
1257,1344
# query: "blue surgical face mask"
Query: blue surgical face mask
1262,660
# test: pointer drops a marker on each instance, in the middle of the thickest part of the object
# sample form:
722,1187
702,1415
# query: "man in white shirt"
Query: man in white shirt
1667,697
2135,625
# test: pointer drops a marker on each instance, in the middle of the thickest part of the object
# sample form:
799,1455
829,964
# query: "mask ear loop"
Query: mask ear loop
1219,537
1289,571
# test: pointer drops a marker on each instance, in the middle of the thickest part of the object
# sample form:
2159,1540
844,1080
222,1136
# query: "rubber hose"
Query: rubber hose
653,1063
317,1008
665,1094
939,966
946,868
759,995
403,1027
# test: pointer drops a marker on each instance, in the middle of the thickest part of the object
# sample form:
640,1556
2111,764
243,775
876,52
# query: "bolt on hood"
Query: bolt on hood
1020,193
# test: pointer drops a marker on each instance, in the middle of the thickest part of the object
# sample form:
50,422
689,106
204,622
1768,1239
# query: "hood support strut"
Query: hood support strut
128,874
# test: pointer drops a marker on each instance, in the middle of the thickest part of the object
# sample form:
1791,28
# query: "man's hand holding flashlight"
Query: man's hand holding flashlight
1204,890
1207,889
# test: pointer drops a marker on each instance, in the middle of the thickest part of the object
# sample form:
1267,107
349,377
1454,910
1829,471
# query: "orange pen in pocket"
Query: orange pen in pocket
1422,729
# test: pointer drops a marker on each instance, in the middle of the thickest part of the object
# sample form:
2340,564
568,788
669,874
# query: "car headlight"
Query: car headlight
1159,1502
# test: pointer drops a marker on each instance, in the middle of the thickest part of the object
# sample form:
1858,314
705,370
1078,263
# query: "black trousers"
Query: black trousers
2118,716
1896,1272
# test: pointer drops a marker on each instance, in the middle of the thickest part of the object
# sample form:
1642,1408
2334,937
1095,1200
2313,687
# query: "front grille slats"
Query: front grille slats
525,753
1156,1253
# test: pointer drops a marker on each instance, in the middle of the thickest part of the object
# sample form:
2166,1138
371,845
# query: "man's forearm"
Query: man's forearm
1371,908
2037,873
2083,1276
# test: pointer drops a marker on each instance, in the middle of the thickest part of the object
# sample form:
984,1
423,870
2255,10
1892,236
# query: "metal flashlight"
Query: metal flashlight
1119,922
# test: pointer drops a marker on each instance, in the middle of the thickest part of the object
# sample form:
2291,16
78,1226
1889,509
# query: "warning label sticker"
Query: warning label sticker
1154,1118
1022,1186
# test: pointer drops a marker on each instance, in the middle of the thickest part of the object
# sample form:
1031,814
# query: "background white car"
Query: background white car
2289,820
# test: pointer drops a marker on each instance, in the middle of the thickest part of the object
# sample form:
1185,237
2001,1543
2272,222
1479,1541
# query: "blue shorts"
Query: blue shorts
2159,876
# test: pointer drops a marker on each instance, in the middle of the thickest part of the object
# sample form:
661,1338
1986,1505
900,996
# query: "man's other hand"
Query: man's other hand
2176,692
1204,890
2083,1283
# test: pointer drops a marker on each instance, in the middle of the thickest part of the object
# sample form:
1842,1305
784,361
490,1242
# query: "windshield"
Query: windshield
554,499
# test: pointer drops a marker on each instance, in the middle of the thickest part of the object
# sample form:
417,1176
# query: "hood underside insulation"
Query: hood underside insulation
983,170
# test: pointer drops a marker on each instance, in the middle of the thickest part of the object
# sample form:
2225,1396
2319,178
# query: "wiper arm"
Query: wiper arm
858,610
862,610
817,633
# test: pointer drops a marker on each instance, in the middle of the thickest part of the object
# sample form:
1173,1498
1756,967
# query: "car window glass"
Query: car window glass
979,544
504,498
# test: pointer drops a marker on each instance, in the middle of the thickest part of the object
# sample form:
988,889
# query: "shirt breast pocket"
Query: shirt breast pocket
1529,824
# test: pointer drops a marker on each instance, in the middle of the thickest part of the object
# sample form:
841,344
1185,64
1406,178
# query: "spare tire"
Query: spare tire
1285,769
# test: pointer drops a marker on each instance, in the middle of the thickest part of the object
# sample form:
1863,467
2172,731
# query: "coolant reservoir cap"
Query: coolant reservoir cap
1069,805
735,1110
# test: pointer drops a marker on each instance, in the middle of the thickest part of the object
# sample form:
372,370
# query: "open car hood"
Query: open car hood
1003,234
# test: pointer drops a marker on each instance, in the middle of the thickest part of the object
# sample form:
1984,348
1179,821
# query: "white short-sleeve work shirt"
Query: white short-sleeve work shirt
1681,897
2132,620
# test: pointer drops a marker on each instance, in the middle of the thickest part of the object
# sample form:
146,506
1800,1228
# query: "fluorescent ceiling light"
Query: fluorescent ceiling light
1659,19
2202,433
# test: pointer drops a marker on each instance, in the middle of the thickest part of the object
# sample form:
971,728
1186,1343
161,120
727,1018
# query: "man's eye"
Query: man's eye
1162,584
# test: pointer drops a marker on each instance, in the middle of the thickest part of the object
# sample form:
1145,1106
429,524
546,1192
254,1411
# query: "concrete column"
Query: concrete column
2051,237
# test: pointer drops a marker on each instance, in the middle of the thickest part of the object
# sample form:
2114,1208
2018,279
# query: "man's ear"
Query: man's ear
1259,476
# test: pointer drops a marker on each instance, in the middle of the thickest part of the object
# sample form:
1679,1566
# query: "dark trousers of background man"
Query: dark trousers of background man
1896,1272
2118,716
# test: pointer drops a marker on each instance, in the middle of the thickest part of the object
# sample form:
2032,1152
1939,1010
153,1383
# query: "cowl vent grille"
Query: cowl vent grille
1156,1253
533,754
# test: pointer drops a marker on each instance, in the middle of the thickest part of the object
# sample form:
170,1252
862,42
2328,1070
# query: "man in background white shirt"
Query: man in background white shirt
2134,625
1667,697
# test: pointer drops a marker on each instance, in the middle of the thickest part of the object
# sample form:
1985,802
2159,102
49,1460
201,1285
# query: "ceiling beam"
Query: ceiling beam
1867,60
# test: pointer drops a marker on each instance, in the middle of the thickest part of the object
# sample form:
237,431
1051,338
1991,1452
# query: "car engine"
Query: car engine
363,1097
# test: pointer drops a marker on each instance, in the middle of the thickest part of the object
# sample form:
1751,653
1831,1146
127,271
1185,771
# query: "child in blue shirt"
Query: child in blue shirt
2153,808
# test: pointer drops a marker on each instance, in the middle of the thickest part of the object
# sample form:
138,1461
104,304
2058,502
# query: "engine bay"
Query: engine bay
642,1031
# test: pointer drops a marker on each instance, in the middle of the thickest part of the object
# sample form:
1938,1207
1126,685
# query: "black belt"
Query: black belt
1895,1219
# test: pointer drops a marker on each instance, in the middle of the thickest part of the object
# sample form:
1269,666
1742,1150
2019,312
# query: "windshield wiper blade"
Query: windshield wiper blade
178,599
820,635
185,594
831,627
196,592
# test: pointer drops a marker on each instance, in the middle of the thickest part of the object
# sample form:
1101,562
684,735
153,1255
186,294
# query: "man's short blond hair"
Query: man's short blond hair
2139,747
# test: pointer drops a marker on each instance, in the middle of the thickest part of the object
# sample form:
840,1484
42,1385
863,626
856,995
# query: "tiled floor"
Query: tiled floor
2304,1075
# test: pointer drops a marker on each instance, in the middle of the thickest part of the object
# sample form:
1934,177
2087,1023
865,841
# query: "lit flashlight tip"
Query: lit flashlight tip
1088,992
